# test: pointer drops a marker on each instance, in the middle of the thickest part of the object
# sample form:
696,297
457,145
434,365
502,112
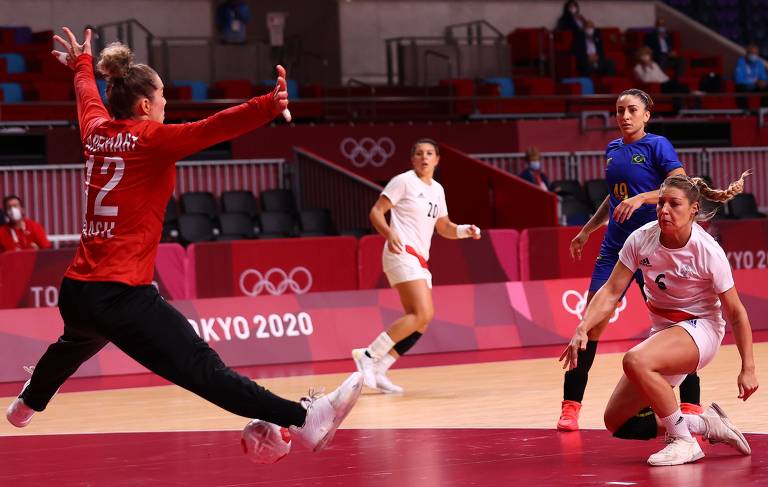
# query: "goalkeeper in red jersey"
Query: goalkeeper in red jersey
106,294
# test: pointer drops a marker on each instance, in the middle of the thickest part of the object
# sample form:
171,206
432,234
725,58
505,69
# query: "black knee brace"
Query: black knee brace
641,426
407,343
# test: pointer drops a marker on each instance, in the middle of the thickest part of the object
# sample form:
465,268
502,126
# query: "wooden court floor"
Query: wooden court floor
510,394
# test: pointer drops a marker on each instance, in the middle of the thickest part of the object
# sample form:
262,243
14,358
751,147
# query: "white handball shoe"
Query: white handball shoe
366,366
721,430
385,385
678,451
18,413
325,413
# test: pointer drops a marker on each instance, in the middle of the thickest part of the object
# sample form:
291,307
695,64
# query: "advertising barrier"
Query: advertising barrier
31,278
490,259
327,325
272,267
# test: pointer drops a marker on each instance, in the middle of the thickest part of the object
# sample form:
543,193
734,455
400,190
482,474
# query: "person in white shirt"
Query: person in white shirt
646,69
417,208
689,286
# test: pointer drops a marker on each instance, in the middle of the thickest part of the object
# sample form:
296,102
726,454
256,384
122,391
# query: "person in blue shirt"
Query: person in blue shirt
636,165
750,76
232,17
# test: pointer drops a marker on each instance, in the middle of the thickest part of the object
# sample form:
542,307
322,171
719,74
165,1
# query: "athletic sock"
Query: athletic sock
676,425
576,380
380,346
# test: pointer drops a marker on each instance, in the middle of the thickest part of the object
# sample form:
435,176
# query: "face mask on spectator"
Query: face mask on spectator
14,213
589,31
752,57
661,30
535,165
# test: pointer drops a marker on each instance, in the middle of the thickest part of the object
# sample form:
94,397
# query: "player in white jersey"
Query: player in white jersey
417,208
689,285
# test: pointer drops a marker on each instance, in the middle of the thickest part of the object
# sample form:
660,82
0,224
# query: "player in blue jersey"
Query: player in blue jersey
636,165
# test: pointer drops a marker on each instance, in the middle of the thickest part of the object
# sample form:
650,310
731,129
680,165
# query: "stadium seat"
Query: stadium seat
575,212
506,85
236,226
237,89
277,224
278,200
11,93
568,187
14,63
239,202
195,228
597,190
317,222
199,88
171,222
744,206
199,203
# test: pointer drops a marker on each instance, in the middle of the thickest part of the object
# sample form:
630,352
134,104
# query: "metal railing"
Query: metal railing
320,183
53,195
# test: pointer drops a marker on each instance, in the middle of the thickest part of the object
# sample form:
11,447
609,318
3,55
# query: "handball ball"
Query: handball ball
265,442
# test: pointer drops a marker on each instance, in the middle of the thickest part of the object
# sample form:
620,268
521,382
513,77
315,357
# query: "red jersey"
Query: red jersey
24,236
130,175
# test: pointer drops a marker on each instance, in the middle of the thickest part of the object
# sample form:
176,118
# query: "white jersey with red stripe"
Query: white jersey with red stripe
416,206
687,280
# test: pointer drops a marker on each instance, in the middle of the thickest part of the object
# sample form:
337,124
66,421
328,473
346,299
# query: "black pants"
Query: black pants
144,326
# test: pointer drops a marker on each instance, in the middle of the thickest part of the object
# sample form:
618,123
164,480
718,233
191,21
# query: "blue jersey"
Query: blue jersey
632,169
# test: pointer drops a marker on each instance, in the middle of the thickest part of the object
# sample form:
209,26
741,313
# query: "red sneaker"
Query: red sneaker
690,408
569,418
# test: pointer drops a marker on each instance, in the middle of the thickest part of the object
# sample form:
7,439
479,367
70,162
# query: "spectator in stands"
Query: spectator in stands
571,18
532,173
660,43
232,17
106,294
588,49
750,74
648,71
20,232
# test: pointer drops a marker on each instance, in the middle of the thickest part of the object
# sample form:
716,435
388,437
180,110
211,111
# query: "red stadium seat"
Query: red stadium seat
237,89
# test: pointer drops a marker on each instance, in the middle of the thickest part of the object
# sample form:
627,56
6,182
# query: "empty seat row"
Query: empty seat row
240,217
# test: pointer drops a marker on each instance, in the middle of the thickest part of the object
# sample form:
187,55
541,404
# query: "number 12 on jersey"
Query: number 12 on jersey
104,163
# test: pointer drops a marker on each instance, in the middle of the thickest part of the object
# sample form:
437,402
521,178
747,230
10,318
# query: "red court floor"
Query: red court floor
377,458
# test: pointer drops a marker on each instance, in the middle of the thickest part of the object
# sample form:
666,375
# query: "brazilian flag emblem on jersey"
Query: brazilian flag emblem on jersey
638,159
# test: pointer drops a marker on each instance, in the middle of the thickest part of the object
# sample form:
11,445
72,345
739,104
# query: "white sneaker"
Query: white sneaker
721,430
18,413
677,452
325,413
366,365
385,385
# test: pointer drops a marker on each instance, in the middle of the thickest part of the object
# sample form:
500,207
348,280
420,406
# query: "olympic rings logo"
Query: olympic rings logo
578,306
275,281
367,151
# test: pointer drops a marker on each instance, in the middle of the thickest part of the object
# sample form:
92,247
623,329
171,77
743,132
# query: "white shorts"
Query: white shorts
707,334
404,267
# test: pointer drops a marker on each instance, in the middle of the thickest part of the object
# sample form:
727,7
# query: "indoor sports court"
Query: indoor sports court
477,418
429,192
